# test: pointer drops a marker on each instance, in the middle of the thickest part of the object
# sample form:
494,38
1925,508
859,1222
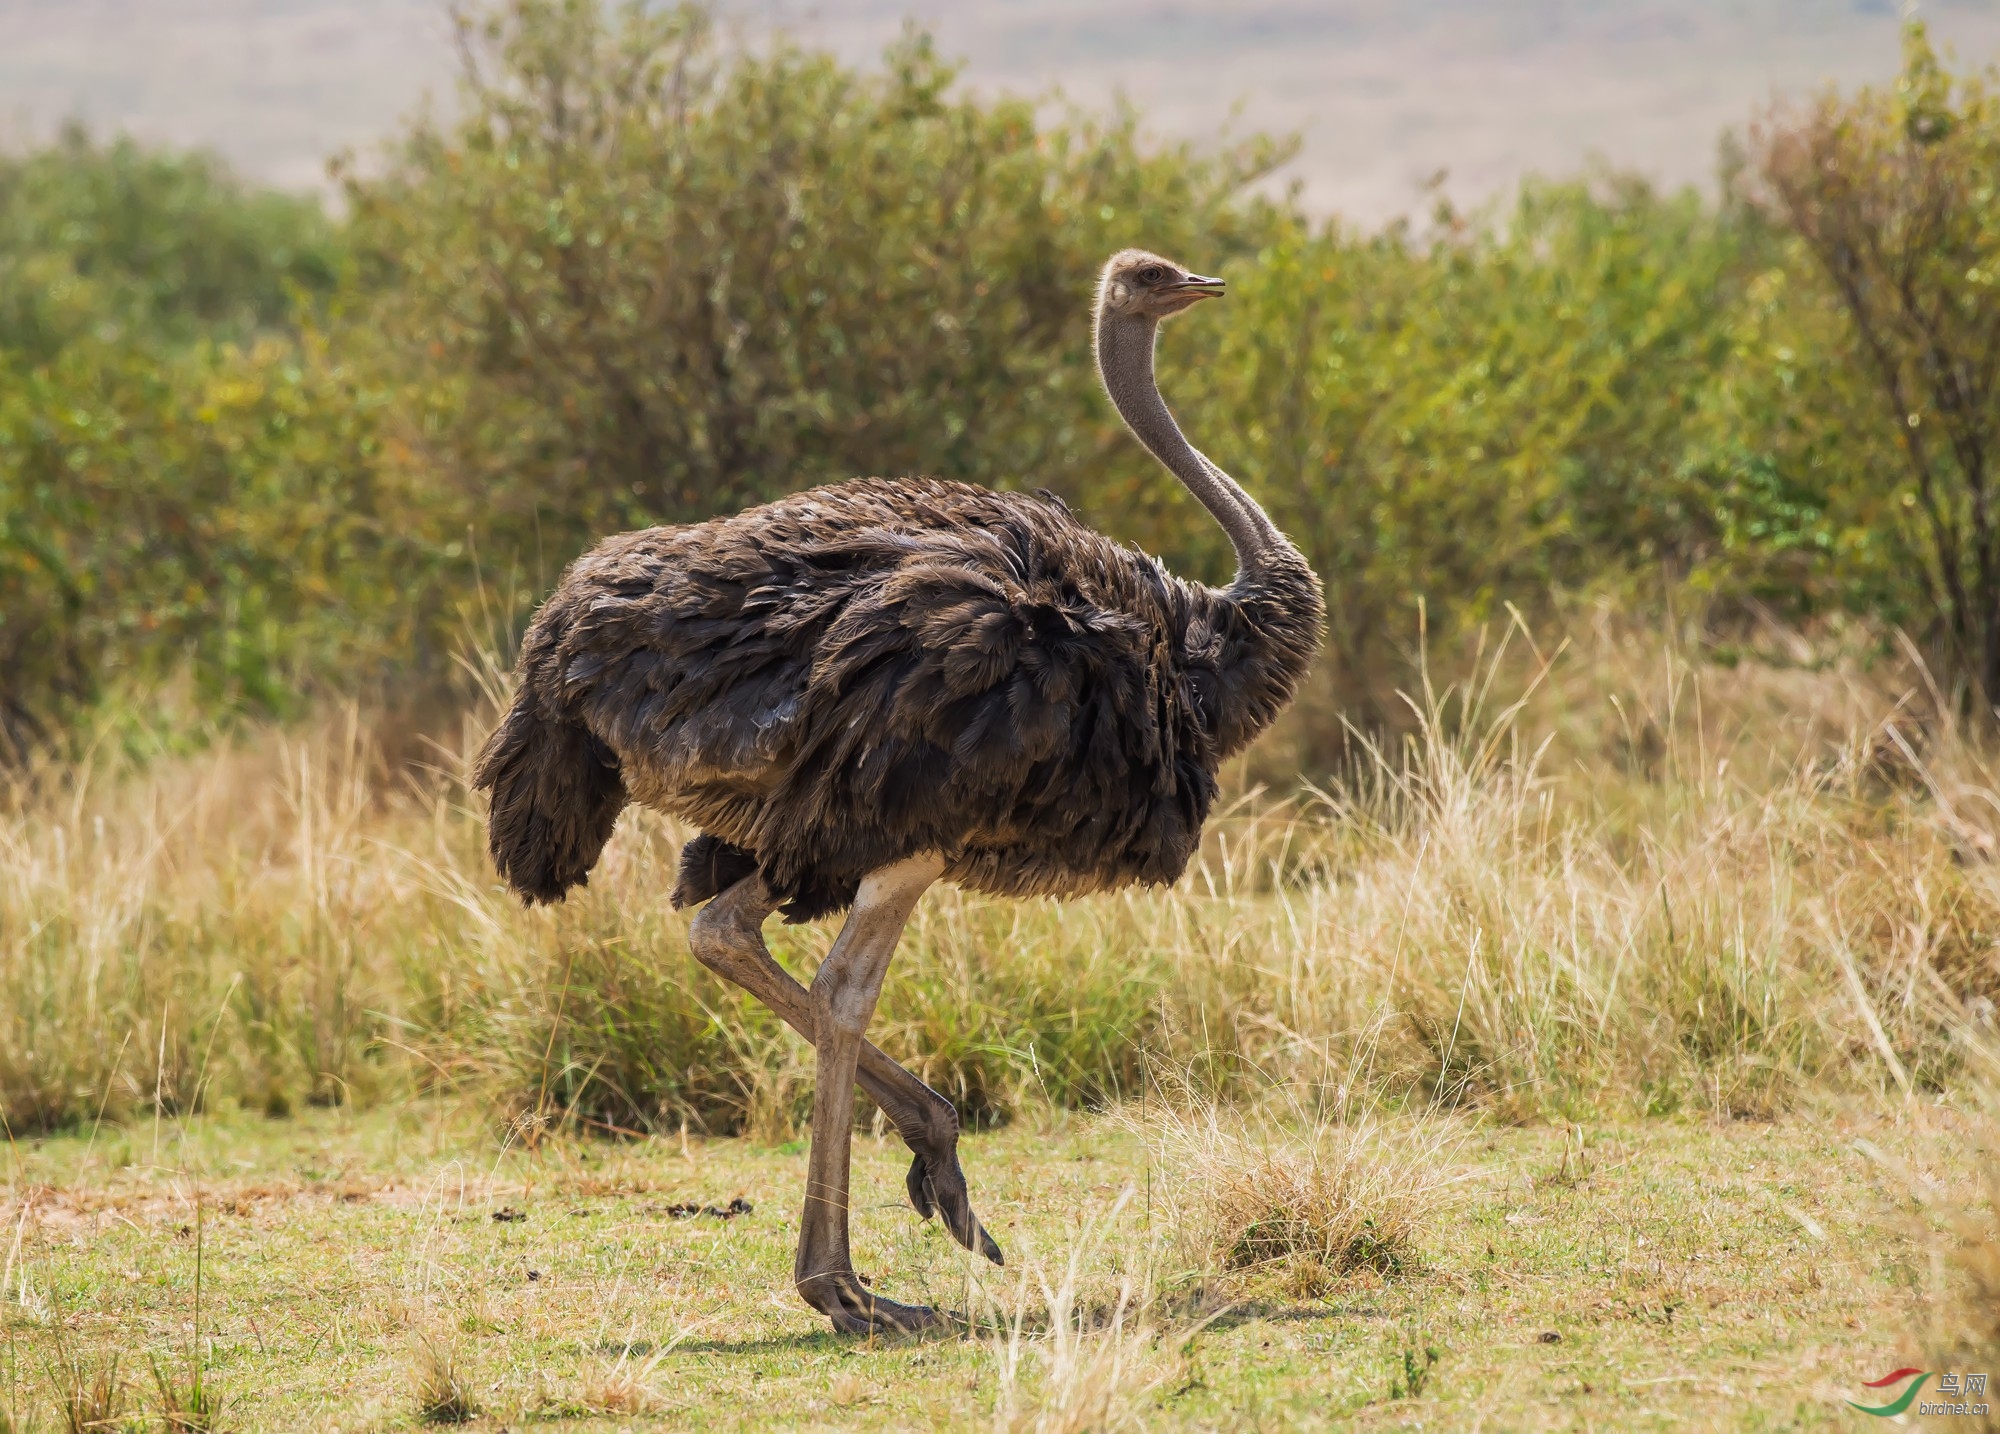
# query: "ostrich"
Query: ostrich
861,689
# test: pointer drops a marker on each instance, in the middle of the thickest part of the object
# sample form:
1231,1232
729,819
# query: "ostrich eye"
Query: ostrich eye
1151,274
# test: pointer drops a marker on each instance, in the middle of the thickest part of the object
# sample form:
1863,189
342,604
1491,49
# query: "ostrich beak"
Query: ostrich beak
1197,287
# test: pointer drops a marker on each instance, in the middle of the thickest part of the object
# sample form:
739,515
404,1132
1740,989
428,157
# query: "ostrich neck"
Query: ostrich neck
1125,364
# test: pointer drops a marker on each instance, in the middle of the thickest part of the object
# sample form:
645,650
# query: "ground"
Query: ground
1653,1275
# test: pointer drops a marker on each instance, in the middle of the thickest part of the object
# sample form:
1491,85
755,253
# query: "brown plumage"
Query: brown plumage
889,670
838,680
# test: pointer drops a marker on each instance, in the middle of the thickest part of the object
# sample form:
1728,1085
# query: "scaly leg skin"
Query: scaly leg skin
727,938
843,999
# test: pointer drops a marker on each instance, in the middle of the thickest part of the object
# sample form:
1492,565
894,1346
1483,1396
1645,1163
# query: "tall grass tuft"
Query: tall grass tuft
1307,1201
190,1406
440,1385
1072,1355
90,1393
622,1385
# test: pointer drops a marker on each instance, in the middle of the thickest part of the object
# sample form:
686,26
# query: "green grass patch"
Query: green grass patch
1630,1275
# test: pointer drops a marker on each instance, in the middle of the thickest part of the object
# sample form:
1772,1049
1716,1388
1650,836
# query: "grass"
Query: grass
622,1384
442,1392
1583,903
1693,1272
190,1405
1615,1051
1315,1200
1065,1362
89,1393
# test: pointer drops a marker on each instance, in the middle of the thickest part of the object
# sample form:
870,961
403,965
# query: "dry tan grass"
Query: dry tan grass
1307,1201
1978,1258
440,1385
621,1385
1627,886
1954,1303
1075,1342
1087,1336
847,1390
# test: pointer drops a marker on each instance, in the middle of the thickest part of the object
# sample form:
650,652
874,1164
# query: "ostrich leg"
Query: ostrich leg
727,938
843,994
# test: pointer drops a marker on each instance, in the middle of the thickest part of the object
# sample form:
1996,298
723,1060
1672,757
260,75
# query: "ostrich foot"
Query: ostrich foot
855,1309
937,1186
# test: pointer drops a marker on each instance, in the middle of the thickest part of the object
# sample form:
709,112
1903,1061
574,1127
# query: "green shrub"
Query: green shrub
653,283
643,278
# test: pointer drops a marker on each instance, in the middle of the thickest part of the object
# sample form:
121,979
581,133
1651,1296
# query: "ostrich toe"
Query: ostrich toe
937,1186
855,1309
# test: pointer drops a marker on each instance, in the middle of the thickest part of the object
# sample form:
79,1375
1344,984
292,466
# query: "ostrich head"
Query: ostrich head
1140,285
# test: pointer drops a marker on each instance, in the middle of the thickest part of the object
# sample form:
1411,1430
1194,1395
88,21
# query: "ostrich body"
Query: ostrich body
860,689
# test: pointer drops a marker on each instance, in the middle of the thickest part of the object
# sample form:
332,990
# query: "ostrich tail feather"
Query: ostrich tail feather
556,794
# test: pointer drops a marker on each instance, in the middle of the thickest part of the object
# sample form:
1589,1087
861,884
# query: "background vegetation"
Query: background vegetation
1705,894
254,458
1673,518
274,455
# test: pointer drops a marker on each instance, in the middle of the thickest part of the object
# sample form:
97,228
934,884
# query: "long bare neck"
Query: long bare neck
1125,364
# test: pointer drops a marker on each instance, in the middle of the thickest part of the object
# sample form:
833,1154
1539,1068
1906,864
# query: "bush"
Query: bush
182,481
141,247
1892,203
214,511
651,283
1497,411
645,279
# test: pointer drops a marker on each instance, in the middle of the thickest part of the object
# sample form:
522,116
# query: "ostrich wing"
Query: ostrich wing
837,681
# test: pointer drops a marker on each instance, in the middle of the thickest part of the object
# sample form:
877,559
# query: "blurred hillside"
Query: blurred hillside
1385,94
